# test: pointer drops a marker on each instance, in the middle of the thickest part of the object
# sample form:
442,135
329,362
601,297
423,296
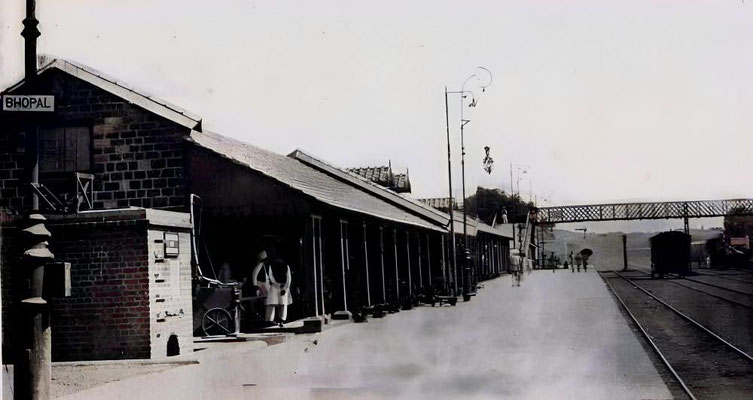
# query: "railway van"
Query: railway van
670,253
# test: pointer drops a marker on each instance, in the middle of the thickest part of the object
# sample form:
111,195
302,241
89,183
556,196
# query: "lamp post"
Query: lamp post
452,217
463,94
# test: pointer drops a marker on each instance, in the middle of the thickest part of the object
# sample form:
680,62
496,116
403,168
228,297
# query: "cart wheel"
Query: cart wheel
217,321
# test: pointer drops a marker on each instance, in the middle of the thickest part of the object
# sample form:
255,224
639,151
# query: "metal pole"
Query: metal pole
512,196
517,191
466,251
452,217
624,253
33,361
462,169
30,34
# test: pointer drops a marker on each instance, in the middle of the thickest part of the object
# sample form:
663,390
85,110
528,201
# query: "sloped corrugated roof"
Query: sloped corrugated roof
120,89
403,201
499,230
474,226
304,179
458,225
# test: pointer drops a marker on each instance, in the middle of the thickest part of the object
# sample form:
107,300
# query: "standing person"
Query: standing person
567,266
572,263
578,260
277,285
517,270
262,285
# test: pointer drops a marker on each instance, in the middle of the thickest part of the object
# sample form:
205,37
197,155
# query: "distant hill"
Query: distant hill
607,247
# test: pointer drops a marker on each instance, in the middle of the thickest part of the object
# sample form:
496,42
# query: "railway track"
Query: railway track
704,364
729,289
739,297
738,276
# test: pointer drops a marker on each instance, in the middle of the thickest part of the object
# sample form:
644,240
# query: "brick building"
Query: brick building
124,165
489,246
347,247
131,292
106,146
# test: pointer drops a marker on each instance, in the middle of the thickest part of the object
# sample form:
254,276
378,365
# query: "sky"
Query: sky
589,101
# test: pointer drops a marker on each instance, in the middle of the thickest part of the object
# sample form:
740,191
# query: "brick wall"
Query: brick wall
11,166
107,315
8,254
170,293
137,156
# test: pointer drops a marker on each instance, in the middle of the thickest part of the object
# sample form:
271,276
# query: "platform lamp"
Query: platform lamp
478,74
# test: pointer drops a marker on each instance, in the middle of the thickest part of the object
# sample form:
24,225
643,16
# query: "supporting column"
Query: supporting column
397,274
315,264
345,261
407,257
366,265
444,266
420,273
428,258
498,262
381,259
686,225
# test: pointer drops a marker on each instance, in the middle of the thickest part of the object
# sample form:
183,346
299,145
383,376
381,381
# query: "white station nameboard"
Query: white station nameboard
28,103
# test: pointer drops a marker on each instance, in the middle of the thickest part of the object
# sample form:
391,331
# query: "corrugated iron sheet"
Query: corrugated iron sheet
305,179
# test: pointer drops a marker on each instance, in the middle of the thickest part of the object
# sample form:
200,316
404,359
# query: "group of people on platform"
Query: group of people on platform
576,262
273,278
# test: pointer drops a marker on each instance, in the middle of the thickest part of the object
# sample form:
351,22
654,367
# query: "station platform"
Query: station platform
557,336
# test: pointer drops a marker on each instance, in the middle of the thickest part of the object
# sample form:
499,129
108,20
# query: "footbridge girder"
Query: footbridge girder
636,211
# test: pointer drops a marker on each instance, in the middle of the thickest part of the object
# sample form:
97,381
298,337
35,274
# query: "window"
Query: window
64,149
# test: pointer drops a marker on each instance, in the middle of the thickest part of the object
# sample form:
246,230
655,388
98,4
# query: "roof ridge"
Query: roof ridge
102,80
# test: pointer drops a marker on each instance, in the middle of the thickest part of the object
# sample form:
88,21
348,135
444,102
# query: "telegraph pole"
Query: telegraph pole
512,196
32,371
452,217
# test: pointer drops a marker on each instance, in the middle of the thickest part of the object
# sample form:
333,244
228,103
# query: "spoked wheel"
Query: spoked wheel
217,321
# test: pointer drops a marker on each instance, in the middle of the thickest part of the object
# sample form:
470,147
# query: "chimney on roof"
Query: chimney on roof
30,34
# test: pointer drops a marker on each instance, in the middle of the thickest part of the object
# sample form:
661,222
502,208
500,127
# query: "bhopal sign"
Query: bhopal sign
28,103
